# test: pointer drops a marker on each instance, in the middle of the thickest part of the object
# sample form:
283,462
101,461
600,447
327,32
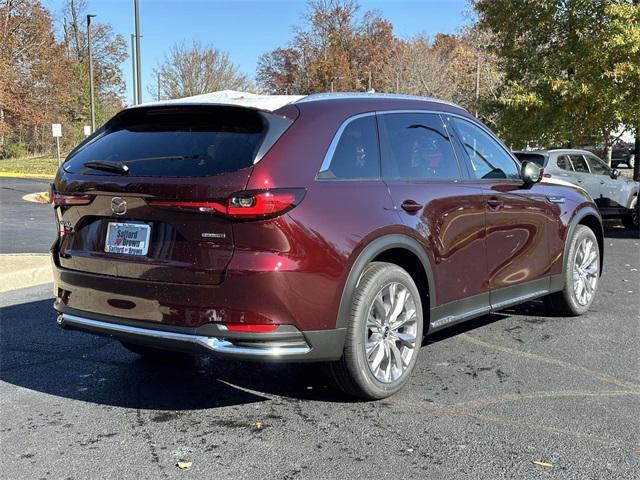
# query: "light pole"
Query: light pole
93,107
133,70
138,63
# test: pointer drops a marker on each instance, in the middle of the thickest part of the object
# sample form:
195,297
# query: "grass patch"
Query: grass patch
29,166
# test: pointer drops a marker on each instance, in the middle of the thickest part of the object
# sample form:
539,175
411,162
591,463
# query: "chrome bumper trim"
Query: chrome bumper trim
213,344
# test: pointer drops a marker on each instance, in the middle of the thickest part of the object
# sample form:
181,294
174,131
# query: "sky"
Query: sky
245,29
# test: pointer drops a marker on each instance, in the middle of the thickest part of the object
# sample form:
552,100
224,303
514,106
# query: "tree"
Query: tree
196,69
109,51
34,74
569,68
280,71
334,50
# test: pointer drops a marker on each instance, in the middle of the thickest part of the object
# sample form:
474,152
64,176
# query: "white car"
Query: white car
616,196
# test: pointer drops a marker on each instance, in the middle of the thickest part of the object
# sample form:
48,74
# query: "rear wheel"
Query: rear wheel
582,274
384,334
630,220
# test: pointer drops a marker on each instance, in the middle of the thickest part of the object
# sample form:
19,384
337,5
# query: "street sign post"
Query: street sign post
56,132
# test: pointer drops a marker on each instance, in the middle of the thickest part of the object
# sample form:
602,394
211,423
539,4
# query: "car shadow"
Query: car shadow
463,327
616,230
36,354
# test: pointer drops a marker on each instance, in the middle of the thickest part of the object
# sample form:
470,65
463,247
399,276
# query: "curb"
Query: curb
43,176
24,270
38,197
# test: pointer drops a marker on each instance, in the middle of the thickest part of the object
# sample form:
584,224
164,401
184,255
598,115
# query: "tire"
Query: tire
631,219
582,276
393,348
151,353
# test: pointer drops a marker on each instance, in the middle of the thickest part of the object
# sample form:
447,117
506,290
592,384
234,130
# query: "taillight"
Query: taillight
251,327
59,199
248,205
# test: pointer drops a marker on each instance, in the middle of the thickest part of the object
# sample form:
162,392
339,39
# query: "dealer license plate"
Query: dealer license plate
127,238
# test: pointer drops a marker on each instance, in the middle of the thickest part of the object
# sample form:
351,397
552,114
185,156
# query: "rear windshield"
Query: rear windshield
175,142
532,157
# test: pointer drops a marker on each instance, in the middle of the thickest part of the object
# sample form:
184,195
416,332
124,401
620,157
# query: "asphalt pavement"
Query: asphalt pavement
25,227
487,399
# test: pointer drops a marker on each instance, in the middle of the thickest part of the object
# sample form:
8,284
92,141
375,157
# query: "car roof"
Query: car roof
274,102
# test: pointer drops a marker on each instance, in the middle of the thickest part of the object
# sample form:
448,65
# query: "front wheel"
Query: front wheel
582,274
631,220
384,334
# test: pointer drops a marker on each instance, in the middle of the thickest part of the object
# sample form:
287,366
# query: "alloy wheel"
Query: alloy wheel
585,271
390,332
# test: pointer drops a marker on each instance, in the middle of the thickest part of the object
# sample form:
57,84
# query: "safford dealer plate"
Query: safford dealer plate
127,238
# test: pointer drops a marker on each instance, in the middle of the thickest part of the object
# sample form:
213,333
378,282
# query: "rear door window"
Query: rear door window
175,142
488,158
416,146
579,164
564,163
355,155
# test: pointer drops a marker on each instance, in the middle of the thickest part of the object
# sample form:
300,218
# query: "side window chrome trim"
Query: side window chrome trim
326,163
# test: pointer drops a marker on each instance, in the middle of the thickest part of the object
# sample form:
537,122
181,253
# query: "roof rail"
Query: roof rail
316,97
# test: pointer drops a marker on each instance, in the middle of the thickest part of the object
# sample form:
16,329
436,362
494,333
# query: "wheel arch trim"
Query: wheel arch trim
371,251
577,219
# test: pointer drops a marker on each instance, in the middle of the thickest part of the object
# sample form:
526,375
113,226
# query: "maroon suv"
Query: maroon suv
337,228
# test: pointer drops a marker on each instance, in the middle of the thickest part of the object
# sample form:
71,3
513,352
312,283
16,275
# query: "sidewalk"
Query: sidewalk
24,270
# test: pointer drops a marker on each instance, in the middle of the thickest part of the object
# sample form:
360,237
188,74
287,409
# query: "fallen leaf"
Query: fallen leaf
184,465
543,464
258,425
410,450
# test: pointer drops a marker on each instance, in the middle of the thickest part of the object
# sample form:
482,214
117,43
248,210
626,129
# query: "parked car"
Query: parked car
621,153
337,228
616,196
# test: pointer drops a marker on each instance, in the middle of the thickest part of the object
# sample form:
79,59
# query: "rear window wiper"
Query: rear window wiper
108,166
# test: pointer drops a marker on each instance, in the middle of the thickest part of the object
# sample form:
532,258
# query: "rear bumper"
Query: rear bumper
287,343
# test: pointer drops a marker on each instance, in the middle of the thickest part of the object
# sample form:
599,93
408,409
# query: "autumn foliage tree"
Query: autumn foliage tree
33,73
335,49
44,80
109,51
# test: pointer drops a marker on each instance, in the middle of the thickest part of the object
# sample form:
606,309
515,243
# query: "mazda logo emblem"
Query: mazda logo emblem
118,205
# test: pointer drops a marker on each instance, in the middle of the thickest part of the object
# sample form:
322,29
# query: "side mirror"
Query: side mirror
531,174
615,173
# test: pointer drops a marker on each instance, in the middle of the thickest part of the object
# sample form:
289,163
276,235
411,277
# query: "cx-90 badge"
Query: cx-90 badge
118,205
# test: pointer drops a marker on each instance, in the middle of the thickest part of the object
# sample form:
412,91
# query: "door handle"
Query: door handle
411,206
495,203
